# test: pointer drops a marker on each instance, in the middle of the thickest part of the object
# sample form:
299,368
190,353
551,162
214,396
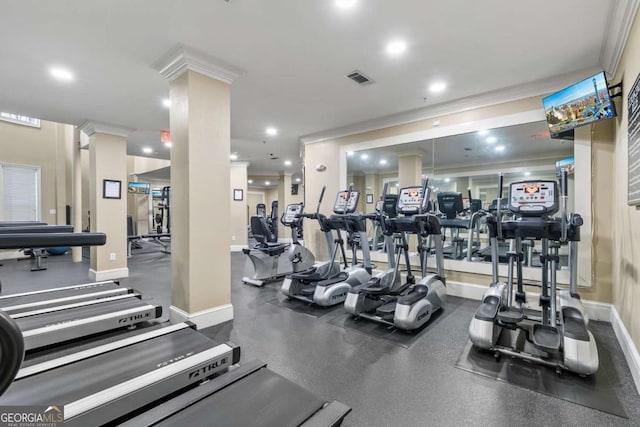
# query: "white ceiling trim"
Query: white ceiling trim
90,127
240,164
182,58
619,24
487,99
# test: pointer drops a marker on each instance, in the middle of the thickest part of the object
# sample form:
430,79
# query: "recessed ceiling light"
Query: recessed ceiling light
267,183
233,156
346,4
483,132
166,102
168,144
447,180
397,184
350,153
147,150
437,87
364,156
61,74
527,174
272,131
298,180
500,148
396,47
250,181
287,162
383,162
491,139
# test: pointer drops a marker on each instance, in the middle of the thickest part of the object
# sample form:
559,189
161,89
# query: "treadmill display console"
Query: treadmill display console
533,197
346,202
292,213
409,200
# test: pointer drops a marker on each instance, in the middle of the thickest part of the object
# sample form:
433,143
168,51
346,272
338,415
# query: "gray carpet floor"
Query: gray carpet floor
385,384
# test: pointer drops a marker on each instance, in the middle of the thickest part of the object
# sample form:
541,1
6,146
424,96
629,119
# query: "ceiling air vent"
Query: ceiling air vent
359,78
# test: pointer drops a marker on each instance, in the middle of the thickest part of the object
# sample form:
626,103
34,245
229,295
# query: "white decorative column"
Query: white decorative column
108,165
199,89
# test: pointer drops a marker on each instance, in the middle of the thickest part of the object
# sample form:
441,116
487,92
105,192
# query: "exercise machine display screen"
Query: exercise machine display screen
533,197
346,202
291,215
409,200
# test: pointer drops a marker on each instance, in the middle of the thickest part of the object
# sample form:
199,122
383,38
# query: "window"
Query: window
19,193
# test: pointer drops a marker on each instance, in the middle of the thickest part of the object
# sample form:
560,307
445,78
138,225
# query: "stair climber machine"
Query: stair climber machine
557,338
265,255
326,285
385,299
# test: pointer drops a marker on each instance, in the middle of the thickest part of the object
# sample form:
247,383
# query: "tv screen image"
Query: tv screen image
580,104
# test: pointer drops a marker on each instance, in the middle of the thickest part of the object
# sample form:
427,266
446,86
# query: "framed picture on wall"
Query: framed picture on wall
369,199
111,189
238,195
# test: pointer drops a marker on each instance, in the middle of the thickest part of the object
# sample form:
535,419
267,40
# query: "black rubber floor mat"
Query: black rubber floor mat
596,391
392,334
304,308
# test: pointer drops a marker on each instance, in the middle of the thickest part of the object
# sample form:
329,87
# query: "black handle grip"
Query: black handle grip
500,182
563,183
469,193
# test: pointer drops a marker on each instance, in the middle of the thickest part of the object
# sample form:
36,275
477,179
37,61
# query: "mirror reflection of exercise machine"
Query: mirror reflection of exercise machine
271,220
162,218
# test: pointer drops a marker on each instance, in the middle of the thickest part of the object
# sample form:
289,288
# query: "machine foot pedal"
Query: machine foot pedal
546,338
511,314
387,310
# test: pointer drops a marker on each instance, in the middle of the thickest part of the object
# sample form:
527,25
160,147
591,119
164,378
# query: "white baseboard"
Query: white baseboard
238,248
101,275
628,347
594,309
205,318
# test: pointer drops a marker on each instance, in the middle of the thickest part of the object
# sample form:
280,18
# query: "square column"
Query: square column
199,89
108,161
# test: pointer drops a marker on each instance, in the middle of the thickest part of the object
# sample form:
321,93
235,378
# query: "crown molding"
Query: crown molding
486,99
91,127
619,22
240,164
182,58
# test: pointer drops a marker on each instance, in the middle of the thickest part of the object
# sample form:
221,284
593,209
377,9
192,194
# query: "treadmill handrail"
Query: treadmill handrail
64,288
37,229
49,240
56,308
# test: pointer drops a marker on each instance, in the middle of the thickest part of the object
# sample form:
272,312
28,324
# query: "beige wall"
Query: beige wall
625,256
239,220
44,147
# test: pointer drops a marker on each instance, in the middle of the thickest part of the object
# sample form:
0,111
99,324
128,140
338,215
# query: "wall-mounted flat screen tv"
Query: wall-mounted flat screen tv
580,104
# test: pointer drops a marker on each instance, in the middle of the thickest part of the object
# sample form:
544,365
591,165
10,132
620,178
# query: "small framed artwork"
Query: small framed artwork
111,189
369,199
238,194
294,189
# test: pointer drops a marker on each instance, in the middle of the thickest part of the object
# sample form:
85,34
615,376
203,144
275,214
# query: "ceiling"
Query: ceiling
528,141
295,54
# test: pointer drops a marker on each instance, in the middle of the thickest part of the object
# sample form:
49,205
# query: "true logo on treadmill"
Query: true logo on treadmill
133,318
204,371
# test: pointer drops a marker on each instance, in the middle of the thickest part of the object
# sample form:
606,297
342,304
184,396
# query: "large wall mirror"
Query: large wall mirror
470,162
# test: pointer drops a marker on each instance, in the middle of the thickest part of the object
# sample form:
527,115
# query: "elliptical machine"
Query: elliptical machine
560,338
384,298
330,286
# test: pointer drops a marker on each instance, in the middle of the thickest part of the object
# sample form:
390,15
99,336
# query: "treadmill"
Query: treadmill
44,323
58,324
161,377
